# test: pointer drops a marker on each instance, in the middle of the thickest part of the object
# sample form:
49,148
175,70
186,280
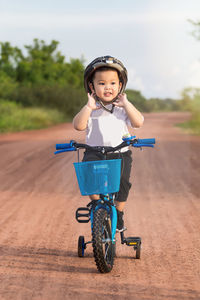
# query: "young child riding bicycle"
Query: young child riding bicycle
106,118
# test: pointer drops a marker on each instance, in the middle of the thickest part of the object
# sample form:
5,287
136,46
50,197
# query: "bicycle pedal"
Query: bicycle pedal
83,215
133,241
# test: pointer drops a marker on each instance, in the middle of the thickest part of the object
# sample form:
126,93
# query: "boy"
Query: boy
105,118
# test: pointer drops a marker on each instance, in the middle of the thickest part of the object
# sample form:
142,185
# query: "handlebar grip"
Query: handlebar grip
142,145
63,146
146,141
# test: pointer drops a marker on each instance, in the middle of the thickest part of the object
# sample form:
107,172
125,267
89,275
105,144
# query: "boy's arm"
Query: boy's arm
135,117
81,119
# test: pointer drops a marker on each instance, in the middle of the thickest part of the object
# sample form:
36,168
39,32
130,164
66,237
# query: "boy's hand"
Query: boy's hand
121,100
92,104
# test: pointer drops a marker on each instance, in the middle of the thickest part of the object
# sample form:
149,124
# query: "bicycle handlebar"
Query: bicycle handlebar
73,145
63,146
146,141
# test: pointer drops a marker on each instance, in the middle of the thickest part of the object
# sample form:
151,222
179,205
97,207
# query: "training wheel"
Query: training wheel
138,251
81,246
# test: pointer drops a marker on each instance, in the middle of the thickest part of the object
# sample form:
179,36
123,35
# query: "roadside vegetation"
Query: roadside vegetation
191,96
14,117
40,87
191,103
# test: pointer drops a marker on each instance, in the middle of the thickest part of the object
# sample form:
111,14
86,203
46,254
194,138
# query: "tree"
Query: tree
196,32
9,59
137,99
44,64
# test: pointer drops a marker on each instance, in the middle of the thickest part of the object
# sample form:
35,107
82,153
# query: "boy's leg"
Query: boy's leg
120,221
125,186
94,197
120,215
120,205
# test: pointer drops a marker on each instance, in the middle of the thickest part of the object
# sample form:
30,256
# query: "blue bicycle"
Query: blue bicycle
103,178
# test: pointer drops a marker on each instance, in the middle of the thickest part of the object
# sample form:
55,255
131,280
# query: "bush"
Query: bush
7,85
13,117
191,102
66,99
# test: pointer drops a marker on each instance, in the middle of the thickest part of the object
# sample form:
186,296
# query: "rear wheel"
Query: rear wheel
103,248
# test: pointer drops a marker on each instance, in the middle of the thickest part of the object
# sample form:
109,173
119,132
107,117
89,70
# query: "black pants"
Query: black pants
126,157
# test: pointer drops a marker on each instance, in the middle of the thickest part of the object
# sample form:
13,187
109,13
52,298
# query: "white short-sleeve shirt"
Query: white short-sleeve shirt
107,129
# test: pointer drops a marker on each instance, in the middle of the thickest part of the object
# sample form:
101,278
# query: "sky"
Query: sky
153,38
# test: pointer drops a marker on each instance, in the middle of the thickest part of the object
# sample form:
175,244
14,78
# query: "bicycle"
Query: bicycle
102,177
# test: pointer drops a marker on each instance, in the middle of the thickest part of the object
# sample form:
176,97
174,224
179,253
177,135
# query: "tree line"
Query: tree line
40,75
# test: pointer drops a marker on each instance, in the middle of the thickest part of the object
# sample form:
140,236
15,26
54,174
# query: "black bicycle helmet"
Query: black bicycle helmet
105,61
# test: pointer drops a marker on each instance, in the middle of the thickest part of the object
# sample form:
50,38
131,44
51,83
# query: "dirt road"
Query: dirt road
38,232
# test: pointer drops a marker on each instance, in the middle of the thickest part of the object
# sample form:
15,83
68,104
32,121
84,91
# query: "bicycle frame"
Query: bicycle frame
108,205
97,211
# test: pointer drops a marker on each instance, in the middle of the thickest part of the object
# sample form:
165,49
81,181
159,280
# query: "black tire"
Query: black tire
138,251
81,246
103,248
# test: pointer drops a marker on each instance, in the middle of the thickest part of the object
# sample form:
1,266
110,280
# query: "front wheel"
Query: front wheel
103,248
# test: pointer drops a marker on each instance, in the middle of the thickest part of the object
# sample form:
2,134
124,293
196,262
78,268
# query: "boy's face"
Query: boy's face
106,85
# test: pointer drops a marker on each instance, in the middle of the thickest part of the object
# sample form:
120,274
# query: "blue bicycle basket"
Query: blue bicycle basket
98,177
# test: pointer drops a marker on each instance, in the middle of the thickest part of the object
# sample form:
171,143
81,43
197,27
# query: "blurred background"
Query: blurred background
45,46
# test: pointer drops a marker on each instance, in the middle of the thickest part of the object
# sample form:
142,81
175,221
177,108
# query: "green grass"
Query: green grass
14,117
192,126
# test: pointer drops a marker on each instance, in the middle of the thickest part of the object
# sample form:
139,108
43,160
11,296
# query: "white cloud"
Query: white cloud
176,70
134,81
156,44
157,88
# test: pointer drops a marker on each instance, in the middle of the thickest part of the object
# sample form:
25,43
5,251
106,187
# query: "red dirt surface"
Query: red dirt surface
38,231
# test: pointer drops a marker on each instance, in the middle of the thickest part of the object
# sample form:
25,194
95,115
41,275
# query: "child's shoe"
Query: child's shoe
120,221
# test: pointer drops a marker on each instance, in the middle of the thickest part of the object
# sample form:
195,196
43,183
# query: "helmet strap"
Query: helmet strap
104,107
